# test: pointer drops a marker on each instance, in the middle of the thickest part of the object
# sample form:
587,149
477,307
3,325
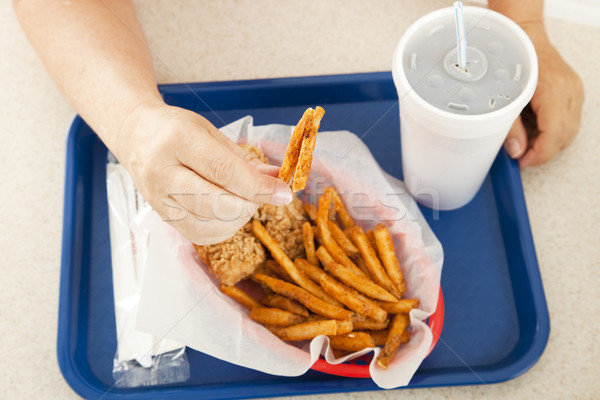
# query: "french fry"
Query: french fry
311,270
284,303
359,283
240,296
342,241
297,276
278,270
299,294
368,254
314,317
308,236
345,326
308,330
354,341
274,316
326,259
379,337
292,153
395,338
363,267
274,329
311,211
352,299
306,153
402,306
387,255
340,209
347,233
371,236
369,324
348,297
336,254
325,237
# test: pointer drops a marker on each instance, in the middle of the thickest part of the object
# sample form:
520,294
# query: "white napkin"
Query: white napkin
180,300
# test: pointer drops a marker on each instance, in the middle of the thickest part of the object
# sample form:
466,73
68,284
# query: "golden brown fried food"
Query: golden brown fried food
240,296
290,268
354,341
274,316
290,160
298,155
284,303
306,153
299,294
306,330
397,336
284,224
399,307
309,243
372,262
340,208
236,258
387,254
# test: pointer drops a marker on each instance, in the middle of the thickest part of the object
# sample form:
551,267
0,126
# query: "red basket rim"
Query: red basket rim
435,323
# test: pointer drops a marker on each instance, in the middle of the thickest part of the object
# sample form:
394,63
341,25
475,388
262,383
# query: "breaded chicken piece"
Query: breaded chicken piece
234,259
284,224
240,256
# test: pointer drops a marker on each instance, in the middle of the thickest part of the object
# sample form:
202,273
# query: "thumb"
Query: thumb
516,141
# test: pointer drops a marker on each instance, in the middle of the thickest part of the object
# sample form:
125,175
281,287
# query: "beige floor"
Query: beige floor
260,39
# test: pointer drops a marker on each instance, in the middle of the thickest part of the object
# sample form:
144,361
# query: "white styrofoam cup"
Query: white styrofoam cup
446,156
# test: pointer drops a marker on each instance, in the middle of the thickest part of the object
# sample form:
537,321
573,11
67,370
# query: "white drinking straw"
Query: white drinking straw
461,40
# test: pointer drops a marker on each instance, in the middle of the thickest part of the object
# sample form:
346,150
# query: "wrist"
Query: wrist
536,31
133,121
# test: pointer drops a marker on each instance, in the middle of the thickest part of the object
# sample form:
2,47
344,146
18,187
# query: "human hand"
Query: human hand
551,120
192,175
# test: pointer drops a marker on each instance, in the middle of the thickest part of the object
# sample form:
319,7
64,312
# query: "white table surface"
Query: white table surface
227,40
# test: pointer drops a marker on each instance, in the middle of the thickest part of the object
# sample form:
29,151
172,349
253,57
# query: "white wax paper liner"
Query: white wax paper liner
180,299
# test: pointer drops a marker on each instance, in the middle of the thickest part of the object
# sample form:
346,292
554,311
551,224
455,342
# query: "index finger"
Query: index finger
216,163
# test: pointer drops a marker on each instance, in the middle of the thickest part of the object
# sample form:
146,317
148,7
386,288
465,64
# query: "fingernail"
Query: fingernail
513,148
282,196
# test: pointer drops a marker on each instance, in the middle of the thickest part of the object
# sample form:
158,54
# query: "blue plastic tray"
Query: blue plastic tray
496,324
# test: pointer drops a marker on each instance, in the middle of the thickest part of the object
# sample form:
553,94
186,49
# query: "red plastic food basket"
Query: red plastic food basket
352,369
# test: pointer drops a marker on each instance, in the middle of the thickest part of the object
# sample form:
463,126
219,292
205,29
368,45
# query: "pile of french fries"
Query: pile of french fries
349,287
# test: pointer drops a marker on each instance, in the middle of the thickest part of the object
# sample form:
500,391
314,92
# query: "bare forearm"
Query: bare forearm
96,54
